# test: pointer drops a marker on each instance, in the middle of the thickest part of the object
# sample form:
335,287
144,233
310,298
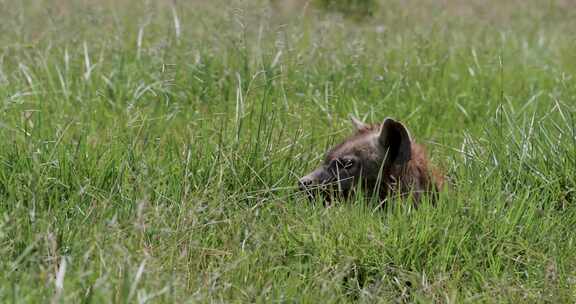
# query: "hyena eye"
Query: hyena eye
345,163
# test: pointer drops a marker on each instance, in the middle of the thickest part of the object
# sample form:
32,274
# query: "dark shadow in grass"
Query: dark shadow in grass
361,280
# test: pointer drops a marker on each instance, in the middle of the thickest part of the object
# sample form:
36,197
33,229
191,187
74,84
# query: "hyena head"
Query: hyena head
380,158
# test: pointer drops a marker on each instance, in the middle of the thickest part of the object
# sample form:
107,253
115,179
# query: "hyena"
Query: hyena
381,158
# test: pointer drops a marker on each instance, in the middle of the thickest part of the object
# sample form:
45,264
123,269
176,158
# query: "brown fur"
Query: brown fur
382,158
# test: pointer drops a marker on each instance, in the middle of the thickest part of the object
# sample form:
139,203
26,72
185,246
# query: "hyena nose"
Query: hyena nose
304,183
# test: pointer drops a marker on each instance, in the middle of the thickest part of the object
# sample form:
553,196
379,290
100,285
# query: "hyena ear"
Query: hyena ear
358,124
396,141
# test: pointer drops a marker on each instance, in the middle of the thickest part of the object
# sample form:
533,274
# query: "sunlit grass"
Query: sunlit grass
151,151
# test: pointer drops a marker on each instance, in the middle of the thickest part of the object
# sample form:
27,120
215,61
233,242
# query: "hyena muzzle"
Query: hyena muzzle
382,159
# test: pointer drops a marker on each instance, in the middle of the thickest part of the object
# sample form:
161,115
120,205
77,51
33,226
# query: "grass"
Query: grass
151,149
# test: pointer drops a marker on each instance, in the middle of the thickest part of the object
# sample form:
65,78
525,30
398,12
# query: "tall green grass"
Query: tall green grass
150,152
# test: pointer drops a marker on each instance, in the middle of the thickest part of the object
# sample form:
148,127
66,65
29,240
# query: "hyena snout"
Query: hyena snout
305,183
310,181
323,180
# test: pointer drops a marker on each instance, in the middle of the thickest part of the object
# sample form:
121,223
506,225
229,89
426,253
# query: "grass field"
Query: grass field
150,151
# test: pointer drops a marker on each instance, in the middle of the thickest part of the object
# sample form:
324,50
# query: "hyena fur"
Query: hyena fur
381,158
